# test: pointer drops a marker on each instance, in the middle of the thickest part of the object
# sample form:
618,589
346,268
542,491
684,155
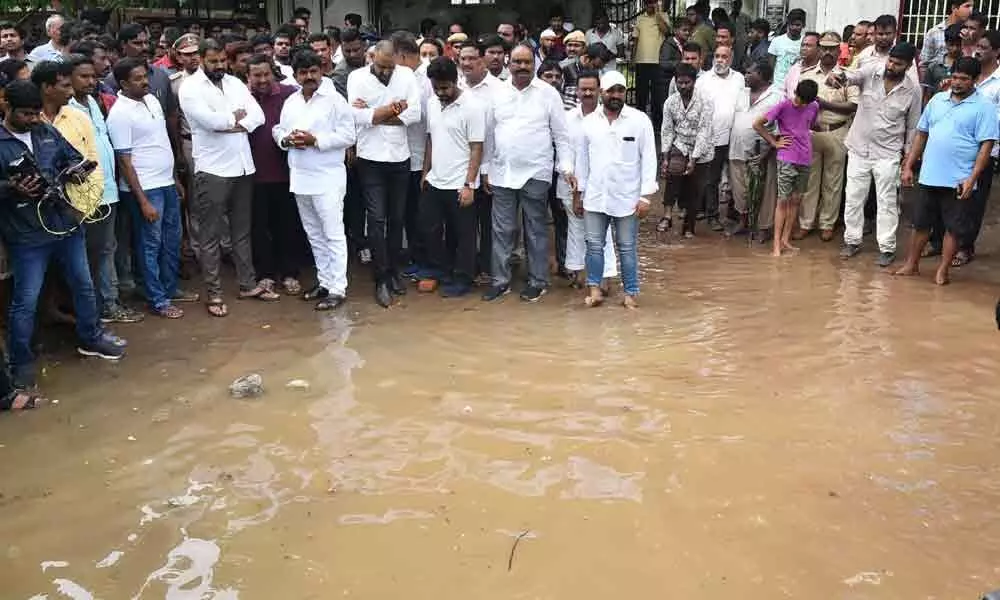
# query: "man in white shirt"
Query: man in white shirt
137,127
316,127
407,54
587,91
478,80
456,130
54,48
221,111
723,86
747,150
529,118
495,52
609,35
616,165
386,100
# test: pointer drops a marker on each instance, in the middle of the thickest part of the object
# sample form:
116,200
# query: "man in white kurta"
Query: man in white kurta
316,127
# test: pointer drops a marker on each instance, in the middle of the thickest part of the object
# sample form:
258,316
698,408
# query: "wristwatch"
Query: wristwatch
469,185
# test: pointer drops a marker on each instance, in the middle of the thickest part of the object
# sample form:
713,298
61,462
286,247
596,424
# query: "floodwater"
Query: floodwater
760,428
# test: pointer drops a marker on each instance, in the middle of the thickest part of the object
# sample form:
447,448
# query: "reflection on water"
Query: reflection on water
760,428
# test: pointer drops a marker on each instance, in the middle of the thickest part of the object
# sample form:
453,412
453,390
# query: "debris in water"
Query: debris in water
517,540
247,386
297,384
131,438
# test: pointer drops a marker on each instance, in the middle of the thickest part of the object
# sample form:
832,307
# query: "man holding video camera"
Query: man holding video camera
38,226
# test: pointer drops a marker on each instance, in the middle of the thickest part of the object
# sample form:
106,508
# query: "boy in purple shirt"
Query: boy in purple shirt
795,119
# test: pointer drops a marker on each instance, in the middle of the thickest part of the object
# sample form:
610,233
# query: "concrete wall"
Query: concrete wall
836,14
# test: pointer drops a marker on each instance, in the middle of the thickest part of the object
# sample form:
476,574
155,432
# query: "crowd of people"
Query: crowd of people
444,158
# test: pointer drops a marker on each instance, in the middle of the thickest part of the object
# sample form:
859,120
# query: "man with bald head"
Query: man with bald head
528,120
386,99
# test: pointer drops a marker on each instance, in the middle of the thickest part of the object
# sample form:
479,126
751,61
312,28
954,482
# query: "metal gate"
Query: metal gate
917,16
622,14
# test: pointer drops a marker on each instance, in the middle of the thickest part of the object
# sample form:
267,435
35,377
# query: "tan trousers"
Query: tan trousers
738,183
826,180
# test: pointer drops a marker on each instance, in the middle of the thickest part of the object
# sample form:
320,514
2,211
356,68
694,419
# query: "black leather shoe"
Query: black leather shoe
383,296
317,293
397,286
330,303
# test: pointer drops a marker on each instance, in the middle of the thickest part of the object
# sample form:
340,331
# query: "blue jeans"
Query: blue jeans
158,244
29,264
626,235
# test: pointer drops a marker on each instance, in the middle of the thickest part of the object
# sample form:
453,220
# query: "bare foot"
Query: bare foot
595,299
776,252
942,277
906,270
630,302
787,246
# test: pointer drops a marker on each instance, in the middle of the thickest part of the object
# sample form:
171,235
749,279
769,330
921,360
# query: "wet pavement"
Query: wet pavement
761,428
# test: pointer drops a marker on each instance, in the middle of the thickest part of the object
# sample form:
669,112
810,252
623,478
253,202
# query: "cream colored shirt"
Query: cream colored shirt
80,133
649,38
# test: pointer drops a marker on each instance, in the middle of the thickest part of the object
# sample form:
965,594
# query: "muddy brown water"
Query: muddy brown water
761,428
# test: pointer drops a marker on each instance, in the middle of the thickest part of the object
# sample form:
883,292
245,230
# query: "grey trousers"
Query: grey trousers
534,201
227,244
215,199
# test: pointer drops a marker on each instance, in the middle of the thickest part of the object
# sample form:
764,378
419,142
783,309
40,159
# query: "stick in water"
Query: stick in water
517,540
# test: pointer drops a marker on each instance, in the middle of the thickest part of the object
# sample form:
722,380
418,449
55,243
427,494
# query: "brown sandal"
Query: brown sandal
28,401
217,308
260,293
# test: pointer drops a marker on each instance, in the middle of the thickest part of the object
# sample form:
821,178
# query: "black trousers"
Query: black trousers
414,239
275,232
650,91
442,217
710,202
384,186
560,222
977,208
685,190
354,211
977,211
484,218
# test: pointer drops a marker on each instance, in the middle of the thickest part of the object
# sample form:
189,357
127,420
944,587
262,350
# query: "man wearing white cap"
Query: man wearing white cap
616,166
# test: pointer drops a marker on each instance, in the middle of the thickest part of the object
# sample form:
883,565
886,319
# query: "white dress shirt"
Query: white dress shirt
743,138
383,143
724,92
416,134
452,128
313,171
616,162
139,129
485,92
209,111
526,124
574,122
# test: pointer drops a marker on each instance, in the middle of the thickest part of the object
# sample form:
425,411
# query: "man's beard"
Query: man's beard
721,69
215,76
615,104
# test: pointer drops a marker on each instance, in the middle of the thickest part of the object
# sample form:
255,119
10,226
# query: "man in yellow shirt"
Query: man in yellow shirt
53,81
650,31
